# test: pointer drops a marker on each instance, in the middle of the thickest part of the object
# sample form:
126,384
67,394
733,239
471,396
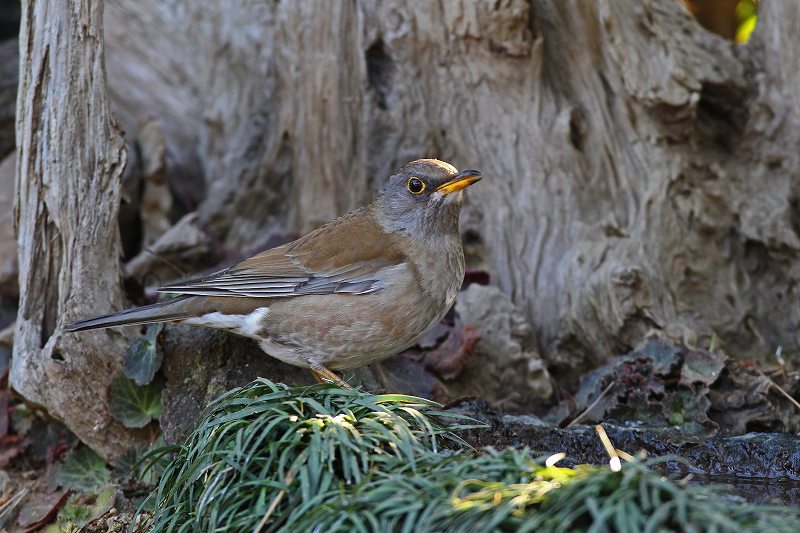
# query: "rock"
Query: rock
9,287
201,363
505,368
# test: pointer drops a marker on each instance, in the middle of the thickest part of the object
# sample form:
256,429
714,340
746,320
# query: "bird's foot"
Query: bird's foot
323,375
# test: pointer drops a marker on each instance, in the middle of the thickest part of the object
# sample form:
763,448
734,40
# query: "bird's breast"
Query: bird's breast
350,330
440,268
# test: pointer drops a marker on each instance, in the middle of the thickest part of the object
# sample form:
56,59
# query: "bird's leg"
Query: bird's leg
323,375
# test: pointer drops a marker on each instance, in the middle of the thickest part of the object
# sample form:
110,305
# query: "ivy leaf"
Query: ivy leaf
82,508
134,405
143,357
83,470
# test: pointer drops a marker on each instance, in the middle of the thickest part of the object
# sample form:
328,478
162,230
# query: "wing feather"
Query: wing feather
349,255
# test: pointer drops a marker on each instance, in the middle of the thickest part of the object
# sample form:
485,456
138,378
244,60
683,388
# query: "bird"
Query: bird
359,289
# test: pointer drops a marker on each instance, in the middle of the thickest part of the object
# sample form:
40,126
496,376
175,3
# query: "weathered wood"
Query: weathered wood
641,171
71,157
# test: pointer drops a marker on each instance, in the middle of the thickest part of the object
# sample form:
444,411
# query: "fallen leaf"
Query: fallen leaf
40,509
82,470
700,366
450,358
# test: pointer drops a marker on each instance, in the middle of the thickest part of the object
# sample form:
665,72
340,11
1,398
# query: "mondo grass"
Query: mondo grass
265,449
509,491
273,458
492,491
636,499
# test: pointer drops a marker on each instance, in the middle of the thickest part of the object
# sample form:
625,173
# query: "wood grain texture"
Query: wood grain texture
71,157
641,172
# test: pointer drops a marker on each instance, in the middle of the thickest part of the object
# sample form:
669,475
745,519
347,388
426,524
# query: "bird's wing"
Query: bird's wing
349,255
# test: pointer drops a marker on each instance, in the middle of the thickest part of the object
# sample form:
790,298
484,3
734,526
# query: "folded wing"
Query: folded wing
349,255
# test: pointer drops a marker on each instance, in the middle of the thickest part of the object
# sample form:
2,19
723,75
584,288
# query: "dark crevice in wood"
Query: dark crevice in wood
722,113
794,213
380,70
52,255
577,128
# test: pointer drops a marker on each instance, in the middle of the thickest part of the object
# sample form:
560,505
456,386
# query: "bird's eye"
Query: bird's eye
415,185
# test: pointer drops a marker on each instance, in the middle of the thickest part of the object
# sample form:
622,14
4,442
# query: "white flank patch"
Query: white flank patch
247,325
253,322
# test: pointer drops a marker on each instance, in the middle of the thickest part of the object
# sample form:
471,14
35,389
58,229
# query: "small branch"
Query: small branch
591,405
780,389
614,463
625,456
166,261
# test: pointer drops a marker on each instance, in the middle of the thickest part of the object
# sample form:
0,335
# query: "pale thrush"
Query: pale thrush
359,289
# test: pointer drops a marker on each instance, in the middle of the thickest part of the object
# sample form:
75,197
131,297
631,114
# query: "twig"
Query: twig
11,505
274,505
166,261
625,456
614,463
553,459
780,389
591,405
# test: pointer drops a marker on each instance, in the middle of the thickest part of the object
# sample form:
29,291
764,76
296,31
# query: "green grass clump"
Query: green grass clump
509,491
493,491
272,458
267,448
637,499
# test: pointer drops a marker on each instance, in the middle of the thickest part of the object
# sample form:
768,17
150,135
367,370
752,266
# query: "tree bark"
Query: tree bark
70,160
641,171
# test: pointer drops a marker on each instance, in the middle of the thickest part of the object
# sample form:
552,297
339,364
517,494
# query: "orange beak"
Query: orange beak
463,179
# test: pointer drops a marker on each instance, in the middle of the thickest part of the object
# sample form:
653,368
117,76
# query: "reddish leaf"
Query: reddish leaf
450,358
40,510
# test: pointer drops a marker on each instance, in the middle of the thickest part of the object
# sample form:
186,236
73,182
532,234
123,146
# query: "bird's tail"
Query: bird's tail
168,311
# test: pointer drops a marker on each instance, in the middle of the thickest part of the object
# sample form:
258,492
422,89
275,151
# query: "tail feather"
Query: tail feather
168,311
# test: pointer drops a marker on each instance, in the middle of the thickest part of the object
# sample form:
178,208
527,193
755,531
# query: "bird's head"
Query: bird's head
423,198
